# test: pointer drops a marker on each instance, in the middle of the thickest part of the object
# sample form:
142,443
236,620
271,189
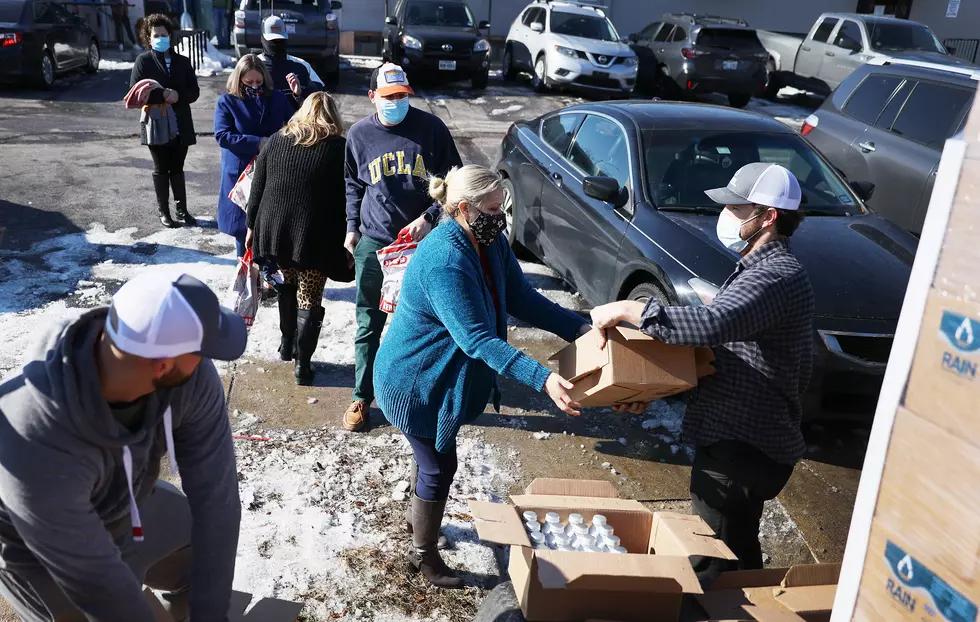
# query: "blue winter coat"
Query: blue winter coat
239,125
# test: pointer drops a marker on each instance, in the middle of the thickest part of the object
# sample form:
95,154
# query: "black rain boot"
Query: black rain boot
424,556
308,325
180,199
287,321
413,479
161,187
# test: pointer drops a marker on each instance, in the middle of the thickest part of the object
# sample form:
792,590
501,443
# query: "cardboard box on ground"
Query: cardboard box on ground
649,582
633,367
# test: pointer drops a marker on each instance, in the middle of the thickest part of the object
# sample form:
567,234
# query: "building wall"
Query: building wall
932,13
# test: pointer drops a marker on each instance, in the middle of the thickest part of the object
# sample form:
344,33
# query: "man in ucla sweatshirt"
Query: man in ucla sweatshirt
390,156
84,521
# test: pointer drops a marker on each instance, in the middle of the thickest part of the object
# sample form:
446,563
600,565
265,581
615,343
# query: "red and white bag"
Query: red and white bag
394,259
244,294
243,187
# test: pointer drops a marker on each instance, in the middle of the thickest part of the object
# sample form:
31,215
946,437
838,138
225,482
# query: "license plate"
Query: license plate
601,74
290,29
447,65
729,65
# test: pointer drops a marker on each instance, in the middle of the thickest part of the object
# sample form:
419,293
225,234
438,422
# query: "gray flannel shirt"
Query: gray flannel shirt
760,326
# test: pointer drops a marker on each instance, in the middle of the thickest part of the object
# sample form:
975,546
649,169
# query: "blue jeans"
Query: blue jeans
240,246
436,469
220,19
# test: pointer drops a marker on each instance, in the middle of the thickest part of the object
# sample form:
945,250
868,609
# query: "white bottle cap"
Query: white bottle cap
553,517
537,537
564,547
598,519
533,526
581,529
604,530
610,541
560,539
530,516
617,549
575,519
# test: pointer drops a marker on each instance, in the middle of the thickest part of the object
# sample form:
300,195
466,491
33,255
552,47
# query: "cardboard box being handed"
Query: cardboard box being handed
633,367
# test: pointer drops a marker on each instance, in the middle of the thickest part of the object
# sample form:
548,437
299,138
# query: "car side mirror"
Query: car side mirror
864,189
537,27
483,25
852,46
391,21
632,38
335,5
604,189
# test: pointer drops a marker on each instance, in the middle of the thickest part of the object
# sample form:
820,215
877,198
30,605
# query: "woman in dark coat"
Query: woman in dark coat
297,218
176,75
250,112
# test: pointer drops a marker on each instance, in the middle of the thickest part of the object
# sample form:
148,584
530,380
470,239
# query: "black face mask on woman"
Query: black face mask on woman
252,91
486,227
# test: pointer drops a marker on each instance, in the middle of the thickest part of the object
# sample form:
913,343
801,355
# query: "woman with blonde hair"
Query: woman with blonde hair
297,219
250,112
438,365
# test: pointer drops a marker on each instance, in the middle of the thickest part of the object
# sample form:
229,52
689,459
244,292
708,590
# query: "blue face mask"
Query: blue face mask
393,111
160,44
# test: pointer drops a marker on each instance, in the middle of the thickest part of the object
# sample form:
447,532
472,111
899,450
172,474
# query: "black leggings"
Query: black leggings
436,469
168,171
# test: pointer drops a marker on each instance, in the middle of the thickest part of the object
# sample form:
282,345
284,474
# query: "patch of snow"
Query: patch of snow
542,435
114,65
499,111
479,101
360,62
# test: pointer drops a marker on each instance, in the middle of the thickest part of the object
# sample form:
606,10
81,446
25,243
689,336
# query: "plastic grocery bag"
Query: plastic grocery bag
243,187
394,259
244,294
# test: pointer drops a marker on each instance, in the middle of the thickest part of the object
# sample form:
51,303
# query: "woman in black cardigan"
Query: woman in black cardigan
297,218
176,75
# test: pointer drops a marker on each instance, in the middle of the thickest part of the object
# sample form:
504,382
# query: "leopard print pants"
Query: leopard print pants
310,286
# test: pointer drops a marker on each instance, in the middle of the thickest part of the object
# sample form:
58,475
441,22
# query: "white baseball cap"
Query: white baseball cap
273,28
389,79
156,317
761,183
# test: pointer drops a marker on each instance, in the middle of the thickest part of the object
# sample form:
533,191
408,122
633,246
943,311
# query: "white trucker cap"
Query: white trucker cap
273,28
157,317
389,79
761,183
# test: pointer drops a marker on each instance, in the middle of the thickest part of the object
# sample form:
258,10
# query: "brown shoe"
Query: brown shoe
356,416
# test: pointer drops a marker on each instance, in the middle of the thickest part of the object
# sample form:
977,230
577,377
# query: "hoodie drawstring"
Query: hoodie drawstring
127,455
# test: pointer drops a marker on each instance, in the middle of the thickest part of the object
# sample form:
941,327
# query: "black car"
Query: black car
611,196
437,38
41,39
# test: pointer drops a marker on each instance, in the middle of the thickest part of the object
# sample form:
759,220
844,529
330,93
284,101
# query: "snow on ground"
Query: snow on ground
359,62
109,65
499,111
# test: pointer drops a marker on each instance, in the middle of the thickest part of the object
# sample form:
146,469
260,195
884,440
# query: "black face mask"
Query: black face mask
275,48
252,91
487,227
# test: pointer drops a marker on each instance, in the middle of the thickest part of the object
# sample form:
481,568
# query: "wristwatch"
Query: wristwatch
429,217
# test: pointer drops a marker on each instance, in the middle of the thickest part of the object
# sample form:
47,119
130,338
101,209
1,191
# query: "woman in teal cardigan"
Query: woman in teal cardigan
437,367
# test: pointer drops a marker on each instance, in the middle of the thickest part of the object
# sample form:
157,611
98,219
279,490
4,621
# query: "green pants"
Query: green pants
370,319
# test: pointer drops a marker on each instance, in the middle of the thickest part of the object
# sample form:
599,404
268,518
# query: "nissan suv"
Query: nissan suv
437,38
688,53
571,45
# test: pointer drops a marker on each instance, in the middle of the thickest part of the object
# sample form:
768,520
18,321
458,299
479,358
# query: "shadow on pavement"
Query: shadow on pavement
75,87
26,225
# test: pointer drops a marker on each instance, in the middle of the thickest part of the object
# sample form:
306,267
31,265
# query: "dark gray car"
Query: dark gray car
700,54
887,124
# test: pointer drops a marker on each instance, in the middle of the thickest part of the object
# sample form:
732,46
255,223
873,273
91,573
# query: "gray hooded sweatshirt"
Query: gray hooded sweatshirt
64,494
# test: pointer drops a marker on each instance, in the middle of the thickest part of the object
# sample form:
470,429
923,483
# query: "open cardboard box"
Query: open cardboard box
633,367
806,591
645,584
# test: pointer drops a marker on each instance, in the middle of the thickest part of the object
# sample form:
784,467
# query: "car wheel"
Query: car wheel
772,82
481,80
500,605
45,71
738,100
510,73
646,291
540,80
93,58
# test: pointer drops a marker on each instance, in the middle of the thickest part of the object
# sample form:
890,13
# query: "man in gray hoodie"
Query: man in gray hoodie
84,521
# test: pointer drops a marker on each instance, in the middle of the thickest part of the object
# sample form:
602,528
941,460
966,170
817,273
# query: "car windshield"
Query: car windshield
682,164
11,11
439,14
898,36
585,26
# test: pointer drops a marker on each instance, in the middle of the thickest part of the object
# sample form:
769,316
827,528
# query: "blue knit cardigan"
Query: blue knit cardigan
437,366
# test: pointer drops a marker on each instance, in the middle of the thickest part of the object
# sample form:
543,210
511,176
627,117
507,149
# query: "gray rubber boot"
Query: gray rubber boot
424,556
413,478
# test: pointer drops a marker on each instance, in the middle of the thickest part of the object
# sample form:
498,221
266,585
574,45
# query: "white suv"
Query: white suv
568,44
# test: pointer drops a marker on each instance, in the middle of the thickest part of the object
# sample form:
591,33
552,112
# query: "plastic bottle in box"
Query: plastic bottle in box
573,520
597,521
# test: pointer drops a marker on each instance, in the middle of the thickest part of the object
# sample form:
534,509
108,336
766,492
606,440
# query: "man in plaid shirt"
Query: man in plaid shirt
744,419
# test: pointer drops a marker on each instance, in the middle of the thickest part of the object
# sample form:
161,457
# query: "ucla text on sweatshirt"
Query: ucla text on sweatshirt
388,168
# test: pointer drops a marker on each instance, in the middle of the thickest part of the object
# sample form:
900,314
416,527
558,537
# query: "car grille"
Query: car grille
609,62
606,83
865,348
433,49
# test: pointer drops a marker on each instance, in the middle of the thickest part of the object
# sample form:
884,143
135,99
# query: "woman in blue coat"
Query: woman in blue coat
437,367
250,112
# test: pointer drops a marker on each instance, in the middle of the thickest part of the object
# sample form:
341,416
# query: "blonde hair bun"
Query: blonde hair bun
470,183
437,189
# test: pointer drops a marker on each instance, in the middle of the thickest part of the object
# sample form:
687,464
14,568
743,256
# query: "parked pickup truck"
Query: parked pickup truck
839,43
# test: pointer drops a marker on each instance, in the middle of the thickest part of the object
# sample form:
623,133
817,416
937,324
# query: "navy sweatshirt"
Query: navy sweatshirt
388,168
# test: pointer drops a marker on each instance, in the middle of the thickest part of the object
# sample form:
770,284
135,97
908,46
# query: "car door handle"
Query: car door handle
806,49
867,146
556,177
829,53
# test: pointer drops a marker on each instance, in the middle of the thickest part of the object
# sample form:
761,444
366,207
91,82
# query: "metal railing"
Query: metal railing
963,48
193,44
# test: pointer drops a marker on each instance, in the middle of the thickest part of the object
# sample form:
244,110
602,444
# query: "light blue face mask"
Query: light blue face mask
393,111
160,44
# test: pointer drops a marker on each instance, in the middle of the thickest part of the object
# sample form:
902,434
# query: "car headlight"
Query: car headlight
481,46
706,291
631,61
411,42
566,51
